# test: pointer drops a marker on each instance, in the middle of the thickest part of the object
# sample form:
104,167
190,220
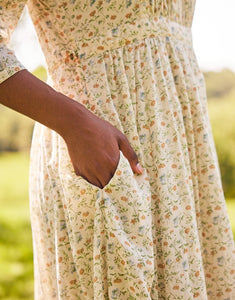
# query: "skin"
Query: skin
84,133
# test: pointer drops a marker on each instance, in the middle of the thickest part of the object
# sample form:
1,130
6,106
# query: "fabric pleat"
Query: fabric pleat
164,234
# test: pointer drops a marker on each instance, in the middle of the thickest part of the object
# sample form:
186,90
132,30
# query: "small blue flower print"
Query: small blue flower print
167,141
62,224
73,269
49,24
78,237
53,182
161,285
128,3
124,218
163,179
115,31
106,201
115,294
185,265
205,138
131,262
141,230
176,220
82,55
157,63
176,78
220,261
211,179
142,95
143,138
110,248
46,218
98,243
91,62
169,262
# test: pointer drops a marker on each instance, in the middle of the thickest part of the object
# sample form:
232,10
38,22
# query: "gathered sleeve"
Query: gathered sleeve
10,12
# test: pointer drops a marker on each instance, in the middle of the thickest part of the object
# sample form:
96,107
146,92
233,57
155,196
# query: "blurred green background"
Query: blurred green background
16,258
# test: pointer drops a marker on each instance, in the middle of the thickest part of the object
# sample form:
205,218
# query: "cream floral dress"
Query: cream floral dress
164,234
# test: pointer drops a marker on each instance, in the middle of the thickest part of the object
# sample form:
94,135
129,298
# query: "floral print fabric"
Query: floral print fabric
164,234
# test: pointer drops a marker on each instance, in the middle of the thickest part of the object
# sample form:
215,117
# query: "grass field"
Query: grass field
16,258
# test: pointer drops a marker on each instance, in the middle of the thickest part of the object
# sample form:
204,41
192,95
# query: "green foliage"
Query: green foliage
16,130
230,203
16,277
40,73
222,117
16,255
221,106
219,84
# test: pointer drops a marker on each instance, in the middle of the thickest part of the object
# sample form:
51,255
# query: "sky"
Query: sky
213,37
214,34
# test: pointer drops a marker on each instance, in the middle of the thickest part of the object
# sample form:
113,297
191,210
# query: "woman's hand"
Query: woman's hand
94,145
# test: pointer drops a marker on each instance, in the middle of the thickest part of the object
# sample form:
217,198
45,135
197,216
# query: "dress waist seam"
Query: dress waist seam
123,35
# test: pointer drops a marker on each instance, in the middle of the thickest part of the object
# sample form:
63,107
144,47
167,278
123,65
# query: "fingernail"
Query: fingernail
139,168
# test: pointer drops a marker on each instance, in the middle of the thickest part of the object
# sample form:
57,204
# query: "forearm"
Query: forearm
93,144
26,94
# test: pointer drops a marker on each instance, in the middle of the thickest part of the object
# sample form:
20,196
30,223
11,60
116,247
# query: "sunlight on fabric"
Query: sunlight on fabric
213,37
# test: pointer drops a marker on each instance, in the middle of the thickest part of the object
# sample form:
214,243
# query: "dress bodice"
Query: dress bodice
82,28
92,26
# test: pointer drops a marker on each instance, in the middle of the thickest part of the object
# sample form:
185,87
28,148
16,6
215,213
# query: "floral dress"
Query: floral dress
164,234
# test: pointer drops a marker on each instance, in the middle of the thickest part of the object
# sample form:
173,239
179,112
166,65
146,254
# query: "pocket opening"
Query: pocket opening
115,172
111,181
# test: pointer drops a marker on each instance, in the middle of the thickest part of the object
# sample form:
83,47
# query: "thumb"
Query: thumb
130,154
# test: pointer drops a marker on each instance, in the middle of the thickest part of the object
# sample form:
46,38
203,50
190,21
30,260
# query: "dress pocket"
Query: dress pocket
71,180
123,171
83,182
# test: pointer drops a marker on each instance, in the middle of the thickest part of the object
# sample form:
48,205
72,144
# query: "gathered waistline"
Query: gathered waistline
126,34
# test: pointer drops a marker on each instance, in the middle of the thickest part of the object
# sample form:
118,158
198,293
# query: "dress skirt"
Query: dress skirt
164,234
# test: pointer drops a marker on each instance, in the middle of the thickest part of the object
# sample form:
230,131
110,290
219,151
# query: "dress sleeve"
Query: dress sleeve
10,12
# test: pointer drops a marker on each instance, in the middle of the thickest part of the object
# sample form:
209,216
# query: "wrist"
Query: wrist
70,114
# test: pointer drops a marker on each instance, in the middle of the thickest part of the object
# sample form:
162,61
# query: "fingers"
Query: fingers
130,154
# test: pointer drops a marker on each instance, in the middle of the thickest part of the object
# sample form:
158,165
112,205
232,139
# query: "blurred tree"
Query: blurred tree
222,117
219,84
16,130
